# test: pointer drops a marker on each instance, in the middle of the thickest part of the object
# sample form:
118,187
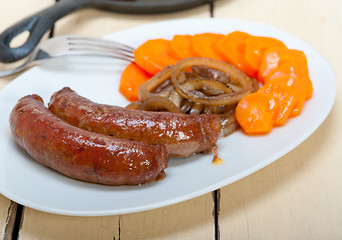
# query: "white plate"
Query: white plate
28,183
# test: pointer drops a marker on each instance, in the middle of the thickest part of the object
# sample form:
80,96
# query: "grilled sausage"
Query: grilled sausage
182,134
80,154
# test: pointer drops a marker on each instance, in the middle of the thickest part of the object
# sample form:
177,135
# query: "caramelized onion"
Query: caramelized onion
158,81
225,98
155,103
197,86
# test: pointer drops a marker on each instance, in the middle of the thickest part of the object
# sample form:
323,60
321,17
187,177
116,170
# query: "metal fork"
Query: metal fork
73,46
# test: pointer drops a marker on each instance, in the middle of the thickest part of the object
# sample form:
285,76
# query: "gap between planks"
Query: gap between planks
11,222
216,212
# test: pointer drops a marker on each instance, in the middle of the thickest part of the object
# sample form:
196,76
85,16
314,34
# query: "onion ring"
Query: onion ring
222,99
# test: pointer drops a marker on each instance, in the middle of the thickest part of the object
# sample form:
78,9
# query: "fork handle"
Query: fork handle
37,25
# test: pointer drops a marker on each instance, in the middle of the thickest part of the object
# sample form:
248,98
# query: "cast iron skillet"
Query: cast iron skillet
38,24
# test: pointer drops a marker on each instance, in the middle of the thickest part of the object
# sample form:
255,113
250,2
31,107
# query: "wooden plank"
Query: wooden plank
300,195
40,225
297,197
188,220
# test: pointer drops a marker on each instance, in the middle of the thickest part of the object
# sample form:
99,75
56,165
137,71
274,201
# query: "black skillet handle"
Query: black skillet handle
37,25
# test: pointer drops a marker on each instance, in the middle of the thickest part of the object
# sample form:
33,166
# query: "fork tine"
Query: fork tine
99,51
100,47
100,43
95,53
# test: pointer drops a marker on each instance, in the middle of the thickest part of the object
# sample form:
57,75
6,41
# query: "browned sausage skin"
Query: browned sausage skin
182,134
80,154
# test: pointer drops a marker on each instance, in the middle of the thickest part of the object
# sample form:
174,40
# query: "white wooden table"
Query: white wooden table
297,197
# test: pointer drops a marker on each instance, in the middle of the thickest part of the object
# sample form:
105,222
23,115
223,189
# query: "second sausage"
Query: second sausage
182,134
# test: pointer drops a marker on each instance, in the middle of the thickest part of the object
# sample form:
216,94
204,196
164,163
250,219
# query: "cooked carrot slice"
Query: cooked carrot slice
289,94
298,87
181,46
154,55
255,48
203,45
275,56
132,77
231,49
288,69
255,113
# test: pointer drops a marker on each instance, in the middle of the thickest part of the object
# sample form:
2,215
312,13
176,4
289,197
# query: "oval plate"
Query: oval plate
25,181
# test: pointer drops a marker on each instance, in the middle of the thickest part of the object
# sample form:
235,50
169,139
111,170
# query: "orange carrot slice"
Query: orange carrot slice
255,48
288,69
299,88
231,49
275,56
255,113
154,55
181,46
203,45
289,94
132,77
